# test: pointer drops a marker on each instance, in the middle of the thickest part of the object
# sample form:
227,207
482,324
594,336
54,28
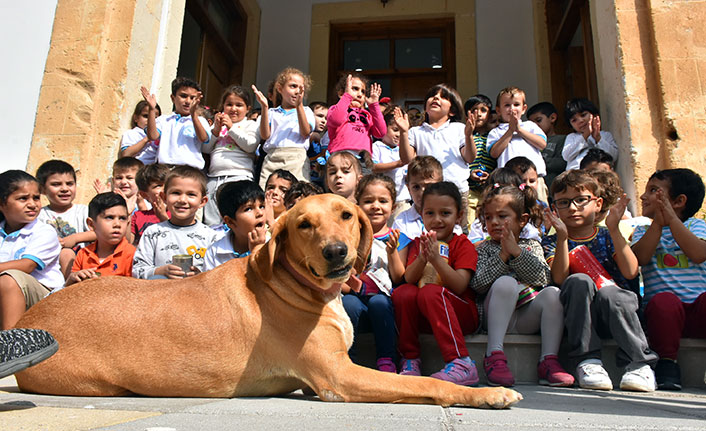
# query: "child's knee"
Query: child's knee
663,303
380,302
505,286
8,284
404,294
615,299
579,285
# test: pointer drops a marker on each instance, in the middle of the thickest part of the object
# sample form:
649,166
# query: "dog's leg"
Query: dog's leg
352,383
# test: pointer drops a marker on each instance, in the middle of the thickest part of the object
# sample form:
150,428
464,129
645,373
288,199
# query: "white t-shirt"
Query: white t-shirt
67,223
518,146
38,242
284,129
232,151
576,147
445,145
148,154
178,144
384,154
221,252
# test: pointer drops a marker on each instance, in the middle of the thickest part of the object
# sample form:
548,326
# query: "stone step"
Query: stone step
523,352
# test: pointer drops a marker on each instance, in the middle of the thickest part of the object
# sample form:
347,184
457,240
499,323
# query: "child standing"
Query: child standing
343,171
242,206
150,183
370,308
57,181
544,114
184,194
135,142
286,129
350,124
111,253
478,109
443,136
593,311
29,250
386,155
232,147
182,133
672,254
513,272
582,116
515,137
440,298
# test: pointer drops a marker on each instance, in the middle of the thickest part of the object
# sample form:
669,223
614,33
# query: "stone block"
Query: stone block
51,111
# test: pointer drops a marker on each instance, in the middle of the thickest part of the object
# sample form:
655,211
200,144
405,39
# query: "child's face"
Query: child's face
141,119
416,185
440,214
111,225
498,213
248,217
183,198
124,180
320,118
580,121
60,190
22,206
438,108
650,198
341,177
184,98
529,177
357,91
493,121
154,190
277,188
577,214
235,108
292,92
376,203
415,117
545,123
510,105
392,137
482,114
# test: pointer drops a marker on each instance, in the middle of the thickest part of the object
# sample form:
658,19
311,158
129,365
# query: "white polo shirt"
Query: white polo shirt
38,242
284,129
445,145
384,154
518,146
178,144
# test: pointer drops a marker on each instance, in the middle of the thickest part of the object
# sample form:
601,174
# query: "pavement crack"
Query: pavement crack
447,419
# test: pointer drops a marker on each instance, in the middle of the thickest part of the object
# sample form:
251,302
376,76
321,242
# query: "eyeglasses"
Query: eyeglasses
579,201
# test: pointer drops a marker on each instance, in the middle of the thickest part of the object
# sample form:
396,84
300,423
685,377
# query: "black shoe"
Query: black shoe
22,348
668,375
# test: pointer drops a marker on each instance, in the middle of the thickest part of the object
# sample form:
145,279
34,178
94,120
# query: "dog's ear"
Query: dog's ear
264,257
365,242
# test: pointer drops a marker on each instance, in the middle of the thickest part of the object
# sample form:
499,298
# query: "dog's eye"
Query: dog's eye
346,215
304,225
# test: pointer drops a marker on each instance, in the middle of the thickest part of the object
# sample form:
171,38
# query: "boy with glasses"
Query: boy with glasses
592,312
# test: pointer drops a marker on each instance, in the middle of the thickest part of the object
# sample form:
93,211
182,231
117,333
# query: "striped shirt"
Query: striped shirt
483,161
670,270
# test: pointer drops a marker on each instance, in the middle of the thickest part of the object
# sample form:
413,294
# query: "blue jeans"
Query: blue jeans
372,313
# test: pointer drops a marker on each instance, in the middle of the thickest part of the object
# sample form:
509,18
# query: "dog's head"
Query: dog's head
323,237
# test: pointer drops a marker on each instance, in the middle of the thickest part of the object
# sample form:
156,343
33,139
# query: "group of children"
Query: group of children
530,200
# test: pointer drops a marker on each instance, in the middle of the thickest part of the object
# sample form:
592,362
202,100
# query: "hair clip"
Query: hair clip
496,185
522,186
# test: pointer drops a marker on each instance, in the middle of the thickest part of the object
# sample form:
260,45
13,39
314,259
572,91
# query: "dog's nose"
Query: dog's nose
335,252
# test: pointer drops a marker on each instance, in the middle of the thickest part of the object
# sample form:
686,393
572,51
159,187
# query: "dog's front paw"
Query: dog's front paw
499,398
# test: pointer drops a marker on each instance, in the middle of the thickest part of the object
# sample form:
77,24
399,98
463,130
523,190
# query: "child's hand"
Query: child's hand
226,121
149,98
616,212
160,208
174,272
432,247
68,241
270,207
514,123
552,219
196,103
664,210
508,244
81,275
401,119
101,187
256,237
470,125
261,98
479,176
375,92
217,124
392,241
131,202
596,128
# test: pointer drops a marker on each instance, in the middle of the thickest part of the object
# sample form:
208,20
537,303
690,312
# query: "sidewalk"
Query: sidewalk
542,408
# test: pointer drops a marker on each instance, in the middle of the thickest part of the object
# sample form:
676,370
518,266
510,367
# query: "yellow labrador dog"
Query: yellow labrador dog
262,326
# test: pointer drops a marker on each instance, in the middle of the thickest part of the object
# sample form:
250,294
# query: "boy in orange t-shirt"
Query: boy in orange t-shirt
111,253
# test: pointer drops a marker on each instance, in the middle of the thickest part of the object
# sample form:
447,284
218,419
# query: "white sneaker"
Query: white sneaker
592,375
638,377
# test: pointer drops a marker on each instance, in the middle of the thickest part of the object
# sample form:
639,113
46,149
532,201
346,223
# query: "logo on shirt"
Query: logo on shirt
666,261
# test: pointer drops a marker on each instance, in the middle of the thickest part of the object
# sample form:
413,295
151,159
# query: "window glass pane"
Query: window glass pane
366,54
418,53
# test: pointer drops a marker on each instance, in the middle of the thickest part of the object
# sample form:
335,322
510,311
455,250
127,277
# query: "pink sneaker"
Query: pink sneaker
496,369
551,373
386,365
459,371
411,367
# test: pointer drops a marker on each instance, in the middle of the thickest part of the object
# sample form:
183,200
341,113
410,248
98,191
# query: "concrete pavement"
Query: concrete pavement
542,408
